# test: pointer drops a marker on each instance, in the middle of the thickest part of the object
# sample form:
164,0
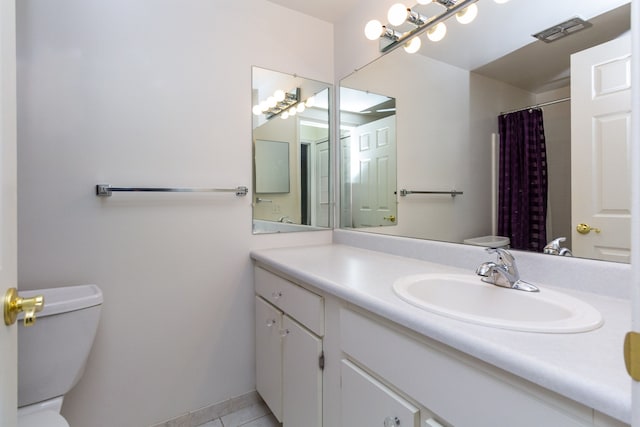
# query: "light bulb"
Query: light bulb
300,107
468,14
292,111
424,1
501,1
264,106
279,95
284,115
256,110
437,33
271,102
310,102
397,14
413,45
373,30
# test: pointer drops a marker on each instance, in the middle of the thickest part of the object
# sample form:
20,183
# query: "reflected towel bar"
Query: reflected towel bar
105,190
452,193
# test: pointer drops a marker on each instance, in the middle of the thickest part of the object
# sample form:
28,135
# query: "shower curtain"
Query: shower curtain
522,188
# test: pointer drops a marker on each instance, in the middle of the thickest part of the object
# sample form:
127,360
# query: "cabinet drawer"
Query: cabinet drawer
367,402
304,306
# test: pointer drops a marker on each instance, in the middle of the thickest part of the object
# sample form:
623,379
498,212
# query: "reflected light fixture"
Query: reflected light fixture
278,104
413,45
310,102
437,33
468,14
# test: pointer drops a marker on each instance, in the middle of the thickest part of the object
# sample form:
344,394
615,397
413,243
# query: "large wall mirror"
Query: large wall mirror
291,142
437,113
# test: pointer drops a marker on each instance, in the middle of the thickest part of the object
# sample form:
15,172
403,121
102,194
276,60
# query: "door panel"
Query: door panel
600,150
269,356
8,225
302,376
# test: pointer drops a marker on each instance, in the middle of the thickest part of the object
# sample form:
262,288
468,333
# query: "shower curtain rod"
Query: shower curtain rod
543,104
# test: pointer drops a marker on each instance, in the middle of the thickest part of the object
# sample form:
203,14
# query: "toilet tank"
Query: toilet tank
52,353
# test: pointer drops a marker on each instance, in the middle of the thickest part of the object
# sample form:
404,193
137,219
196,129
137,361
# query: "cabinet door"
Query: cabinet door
367,402
269,355
302,376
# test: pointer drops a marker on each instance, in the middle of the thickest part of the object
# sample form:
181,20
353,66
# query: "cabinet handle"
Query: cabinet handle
433,423
284,332
391,422
276,295
271,322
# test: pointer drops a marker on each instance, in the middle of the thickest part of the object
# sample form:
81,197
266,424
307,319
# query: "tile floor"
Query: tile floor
256,415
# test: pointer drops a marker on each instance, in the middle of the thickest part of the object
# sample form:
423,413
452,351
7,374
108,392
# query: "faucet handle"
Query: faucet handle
504,256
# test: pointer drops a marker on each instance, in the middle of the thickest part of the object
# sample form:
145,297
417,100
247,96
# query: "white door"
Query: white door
269,356
600,151
302,376
373,172
320,188
8,264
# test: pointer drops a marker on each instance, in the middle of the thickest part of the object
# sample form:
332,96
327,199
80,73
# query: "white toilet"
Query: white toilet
52,353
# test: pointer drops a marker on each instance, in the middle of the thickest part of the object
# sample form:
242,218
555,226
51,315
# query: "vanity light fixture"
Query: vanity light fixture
465,12
374,30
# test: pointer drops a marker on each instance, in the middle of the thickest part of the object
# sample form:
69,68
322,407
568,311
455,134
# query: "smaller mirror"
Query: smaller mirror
290,153
272,166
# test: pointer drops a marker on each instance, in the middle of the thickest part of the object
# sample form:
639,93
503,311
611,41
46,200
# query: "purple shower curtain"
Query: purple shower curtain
522,189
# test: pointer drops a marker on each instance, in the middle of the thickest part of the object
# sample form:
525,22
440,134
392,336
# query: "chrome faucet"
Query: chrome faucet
554,248
504,272
285,219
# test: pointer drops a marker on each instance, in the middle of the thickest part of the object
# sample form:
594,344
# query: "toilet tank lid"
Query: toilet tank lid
67,298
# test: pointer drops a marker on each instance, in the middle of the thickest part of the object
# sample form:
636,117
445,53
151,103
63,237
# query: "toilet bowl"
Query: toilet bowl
53,352
489,241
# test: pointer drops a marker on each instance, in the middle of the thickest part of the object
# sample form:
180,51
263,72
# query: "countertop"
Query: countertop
586,367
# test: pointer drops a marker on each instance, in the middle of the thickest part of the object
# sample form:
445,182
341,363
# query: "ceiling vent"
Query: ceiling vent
561,30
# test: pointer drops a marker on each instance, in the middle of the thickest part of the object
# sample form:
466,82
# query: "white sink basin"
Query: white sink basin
467,298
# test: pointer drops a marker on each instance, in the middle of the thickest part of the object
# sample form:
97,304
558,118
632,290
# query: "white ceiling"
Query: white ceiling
327,10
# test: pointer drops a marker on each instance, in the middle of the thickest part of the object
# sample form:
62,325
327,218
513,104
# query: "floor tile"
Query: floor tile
214,423
243,416
266,421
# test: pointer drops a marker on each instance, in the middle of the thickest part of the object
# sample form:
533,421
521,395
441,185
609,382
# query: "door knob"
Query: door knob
586,228
14,304
391,218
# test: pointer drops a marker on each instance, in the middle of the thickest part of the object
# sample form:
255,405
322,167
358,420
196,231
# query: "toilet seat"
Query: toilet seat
42,419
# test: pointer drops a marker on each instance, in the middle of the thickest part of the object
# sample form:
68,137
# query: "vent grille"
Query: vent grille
561,30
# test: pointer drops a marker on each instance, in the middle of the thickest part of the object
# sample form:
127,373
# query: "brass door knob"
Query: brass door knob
14,304
391,218
586,228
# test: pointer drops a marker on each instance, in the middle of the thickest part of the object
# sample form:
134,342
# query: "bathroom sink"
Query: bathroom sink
465,297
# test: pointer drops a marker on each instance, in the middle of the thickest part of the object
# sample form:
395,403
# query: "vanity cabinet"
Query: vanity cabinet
460,390
289,356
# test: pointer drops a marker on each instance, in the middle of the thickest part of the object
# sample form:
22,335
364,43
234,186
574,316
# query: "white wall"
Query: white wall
151,93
